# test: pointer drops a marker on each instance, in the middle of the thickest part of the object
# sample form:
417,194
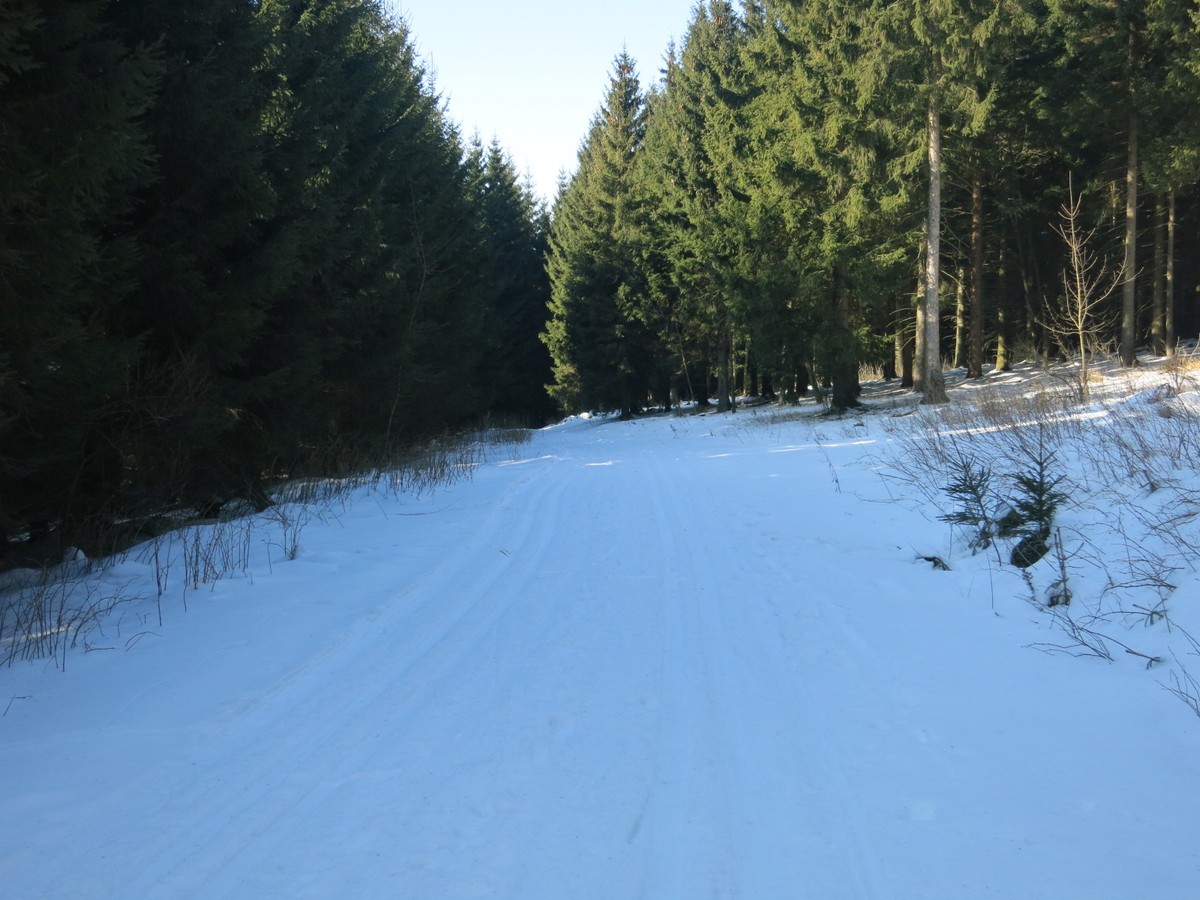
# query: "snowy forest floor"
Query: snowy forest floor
682,656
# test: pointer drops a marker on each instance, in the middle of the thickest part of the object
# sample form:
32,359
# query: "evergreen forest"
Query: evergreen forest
244,242
239,243
813,190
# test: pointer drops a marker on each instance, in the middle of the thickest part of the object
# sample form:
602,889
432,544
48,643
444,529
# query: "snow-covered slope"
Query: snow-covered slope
672,658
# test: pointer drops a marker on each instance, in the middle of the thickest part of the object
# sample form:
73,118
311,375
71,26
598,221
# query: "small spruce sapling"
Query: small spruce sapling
970,489
1037,501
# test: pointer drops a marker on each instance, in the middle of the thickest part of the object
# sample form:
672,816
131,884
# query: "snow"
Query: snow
681,656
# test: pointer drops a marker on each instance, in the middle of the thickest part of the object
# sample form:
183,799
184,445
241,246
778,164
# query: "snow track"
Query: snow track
646,661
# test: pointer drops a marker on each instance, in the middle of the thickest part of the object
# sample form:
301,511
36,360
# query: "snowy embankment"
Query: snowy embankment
670,658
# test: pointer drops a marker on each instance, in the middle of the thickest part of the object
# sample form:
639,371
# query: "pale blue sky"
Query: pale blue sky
533,72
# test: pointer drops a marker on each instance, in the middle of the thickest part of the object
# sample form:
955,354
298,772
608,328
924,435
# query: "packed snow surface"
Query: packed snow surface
676,657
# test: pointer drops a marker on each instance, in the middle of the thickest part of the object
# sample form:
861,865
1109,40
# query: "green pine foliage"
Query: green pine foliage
327,99
819,181
696,175
393,292
515,366
838,172
970,489
601,349
1038,495
195,304
238,243
74,151
1036,504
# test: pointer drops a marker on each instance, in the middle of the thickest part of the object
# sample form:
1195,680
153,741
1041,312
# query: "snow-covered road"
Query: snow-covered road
673,658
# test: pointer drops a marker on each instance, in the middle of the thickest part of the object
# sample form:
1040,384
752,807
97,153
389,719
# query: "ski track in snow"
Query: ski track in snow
340,718
620,670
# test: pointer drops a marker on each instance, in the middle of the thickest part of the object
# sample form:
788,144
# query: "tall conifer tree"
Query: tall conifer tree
600,349
73,149
368,211
1119,66
415,318
327,74
197,300
516,366
832,171
699,144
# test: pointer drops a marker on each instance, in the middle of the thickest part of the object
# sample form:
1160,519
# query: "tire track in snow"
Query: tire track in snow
276,784
686,802
861,725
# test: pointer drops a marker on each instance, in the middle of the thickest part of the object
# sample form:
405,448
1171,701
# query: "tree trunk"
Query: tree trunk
1003,341
1157,338
723,365
844,376
933,382
975,330
904,341
907,376
918,340
1129,288
630,407
803,376
960,321
890,370
706,390
1169,336
1003,318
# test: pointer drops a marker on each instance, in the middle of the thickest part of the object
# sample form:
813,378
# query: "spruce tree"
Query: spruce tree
1170,158
931,64
602,353
697,142
73,149
1120,74
409,364
973,53
891,81
197,303
833,172
337,77
516,367
324,74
